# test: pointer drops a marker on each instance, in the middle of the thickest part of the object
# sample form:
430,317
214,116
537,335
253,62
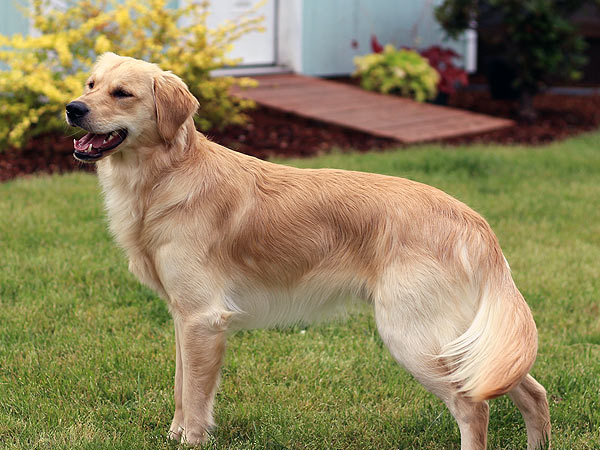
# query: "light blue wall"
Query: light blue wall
330,26
12,19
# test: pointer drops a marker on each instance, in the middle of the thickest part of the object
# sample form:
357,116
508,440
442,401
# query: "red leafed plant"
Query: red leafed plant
375,45
441,59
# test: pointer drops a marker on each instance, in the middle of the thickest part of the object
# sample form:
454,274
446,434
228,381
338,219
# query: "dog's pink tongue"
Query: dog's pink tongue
98,140
84,143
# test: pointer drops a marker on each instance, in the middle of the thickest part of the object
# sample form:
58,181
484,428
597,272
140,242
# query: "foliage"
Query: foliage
49,70
442,60
537,37
397,71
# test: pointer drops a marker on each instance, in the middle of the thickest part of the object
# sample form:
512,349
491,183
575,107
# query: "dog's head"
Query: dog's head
128,104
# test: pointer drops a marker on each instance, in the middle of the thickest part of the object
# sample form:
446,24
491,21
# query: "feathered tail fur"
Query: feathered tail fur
500,346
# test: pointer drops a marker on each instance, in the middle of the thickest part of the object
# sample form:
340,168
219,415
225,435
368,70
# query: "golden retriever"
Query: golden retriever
232,242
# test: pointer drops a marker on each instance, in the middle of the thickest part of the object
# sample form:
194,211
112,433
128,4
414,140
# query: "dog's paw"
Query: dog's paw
191,437
175,432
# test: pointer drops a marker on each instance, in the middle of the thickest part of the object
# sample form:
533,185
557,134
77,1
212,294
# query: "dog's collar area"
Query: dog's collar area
92,145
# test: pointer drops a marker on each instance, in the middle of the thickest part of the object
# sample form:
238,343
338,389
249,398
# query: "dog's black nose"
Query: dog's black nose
76,110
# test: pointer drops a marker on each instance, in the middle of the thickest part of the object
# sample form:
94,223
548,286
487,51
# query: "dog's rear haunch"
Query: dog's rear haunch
232,242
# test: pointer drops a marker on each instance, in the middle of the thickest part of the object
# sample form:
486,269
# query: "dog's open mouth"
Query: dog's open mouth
93,146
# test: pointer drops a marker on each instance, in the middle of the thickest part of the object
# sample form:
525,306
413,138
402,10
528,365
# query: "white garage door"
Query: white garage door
254,48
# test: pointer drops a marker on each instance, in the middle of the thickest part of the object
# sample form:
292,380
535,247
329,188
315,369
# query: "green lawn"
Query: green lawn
87,353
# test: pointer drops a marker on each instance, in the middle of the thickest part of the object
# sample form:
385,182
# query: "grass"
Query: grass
87,353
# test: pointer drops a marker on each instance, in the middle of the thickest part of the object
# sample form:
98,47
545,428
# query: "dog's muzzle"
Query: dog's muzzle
92,146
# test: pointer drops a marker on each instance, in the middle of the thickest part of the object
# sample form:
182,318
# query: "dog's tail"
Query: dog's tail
500,346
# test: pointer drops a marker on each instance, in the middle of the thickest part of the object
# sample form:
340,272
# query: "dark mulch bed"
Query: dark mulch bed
272,133
560,117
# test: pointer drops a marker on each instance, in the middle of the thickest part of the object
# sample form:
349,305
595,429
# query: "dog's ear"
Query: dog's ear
174,104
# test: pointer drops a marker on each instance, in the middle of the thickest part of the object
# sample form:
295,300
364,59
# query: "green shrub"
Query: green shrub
401,72
537,39
47,71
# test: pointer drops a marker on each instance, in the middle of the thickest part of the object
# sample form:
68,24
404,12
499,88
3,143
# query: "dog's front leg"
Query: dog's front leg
202,345
177,425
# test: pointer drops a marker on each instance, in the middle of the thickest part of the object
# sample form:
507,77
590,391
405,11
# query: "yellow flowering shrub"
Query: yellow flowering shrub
47,70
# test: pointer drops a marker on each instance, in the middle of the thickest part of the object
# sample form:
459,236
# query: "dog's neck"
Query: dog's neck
130,177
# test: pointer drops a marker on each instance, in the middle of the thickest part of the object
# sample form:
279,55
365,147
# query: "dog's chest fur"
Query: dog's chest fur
126,209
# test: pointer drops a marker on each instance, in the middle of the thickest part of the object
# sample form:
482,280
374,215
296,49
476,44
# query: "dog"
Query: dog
231,242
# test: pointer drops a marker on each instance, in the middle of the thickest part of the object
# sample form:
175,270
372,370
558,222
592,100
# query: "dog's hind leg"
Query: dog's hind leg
472,418
530,398
202,345
412,347
415,316
177,423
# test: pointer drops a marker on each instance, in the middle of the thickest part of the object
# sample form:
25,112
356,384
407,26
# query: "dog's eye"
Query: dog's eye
120,93
91,84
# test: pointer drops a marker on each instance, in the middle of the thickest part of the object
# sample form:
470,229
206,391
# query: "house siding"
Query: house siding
12,18
330,28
